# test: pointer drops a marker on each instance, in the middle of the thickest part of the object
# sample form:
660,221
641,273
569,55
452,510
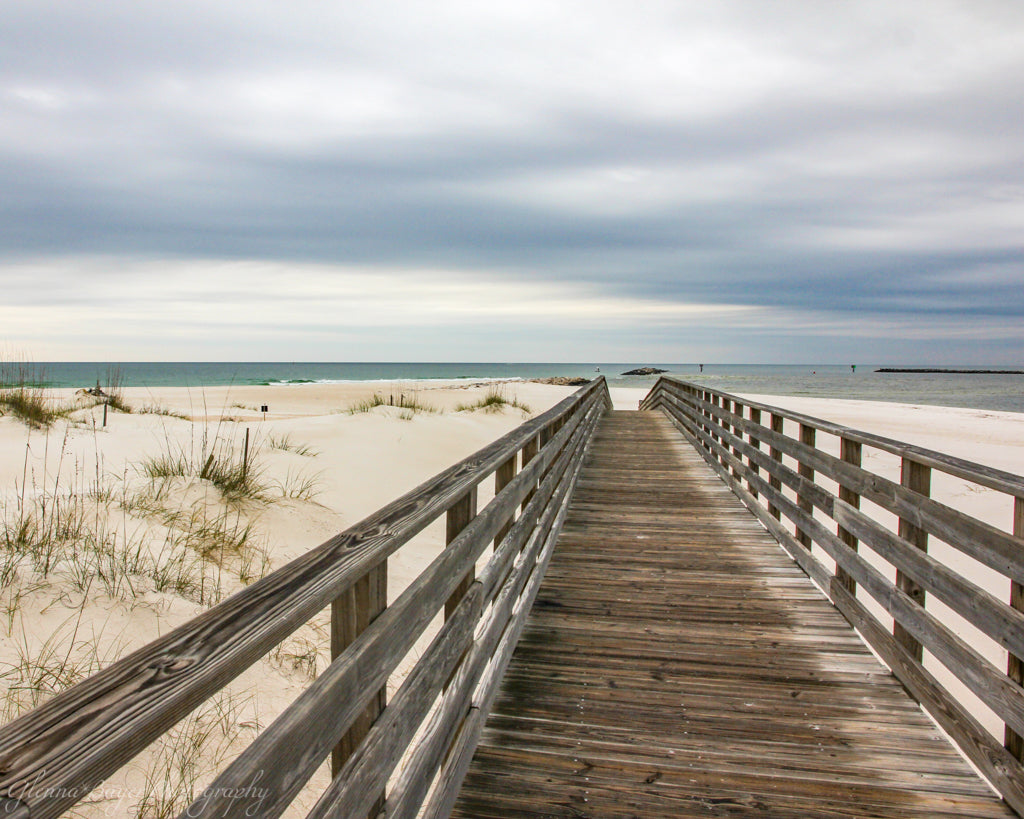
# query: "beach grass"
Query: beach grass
494,400
214,458
404,401
286,444
23,394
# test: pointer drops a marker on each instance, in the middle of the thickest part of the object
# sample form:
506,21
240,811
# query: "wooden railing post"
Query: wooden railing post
724,404
737,409
530,449
807,436
775,453
351,613
503,477
710,399
1015,668
849,451
755,418
917,478
459,515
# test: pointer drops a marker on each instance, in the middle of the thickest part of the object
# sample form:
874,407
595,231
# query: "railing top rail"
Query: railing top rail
104,721
980,474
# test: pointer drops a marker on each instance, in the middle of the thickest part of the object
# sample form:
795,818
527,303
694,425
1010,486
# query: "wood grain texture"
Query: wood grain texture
997,549
997,479
994,617
458,518
917,478
852,453
54,755
428,757
676,662
962,660
1015,662
351,614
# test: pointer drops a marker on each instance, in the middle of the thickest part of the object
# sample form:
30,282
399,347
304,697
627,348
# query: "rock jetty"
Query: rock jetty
645,371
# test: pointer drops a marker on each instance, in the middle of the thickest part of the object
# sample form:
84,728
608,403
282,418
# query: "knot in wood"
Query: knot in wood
169,666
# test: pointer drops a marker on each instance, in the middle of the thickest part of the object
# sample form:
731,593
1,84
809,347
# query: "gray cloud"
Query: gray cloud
813,159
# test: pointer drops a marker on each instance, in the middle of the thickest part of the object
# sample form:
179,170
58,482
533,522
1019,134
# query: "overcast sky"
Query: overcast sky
788,182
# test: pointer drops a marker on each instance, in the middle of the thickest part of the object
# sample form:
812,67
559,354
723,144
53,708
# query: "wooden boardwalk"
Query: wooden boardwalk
678,663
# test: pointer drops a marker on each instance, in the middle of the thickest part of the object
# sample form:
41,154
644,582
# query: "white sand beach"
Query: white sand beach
123,554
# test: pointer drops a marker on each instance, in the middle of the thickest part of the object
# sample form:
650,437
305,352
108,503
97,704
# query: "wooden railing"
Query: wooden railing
53,756
806,479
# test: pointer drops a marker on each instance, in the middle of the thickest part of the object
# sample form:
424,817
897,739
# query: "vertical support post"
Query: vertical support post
459,515
917,478
755,418
722,404
245,454
545,435
106,405
351,614
719,403
708,398
737,409
1015,668
807,436
850,452
503,477
712,402
530,449
776,455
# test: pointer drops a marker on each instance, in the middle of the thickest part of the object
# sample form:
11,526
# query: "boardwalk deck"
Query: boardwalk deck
677,663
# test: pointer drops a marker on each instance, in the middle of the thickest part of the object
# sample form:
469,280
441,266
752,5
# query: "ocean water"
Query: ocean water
980,391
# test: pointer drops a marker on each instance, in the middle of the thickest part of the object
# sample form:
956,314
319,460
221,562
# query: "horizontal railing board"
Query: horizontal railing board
989,477
984,679
57,753
999,550
997,619
366,772
415,780
352,791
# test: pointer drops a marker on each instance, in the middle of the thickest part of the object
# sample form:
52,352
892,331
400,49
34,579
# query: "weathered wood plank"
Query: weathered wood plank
658,661
997,549
996,479
458,518
997,619
850,452
288,751
966,663
1015,661
917,478
351,615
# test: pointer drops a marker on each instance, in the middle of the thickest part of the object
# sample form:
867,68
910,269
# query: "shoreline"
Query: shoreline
989,390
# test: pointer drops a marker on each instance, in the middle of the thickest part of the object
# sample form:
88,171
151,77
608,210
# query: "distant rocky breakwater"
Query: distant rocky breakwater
645,371
948,372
